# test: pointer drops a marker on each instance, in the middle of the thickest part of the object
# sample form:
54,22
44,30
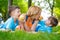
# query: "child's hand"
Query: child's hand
18,27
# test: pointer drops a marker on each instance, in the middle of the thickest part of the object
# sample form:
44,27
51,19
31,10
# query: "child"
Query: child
12,22
21,22
32,17
46,26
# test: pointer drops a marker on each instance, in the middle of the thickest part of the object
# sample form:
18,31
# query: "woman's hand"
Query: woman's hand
34,25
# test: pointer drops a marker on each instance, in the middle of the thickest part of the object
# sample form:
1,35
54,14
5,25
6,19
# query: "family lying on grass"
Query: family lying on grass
31,21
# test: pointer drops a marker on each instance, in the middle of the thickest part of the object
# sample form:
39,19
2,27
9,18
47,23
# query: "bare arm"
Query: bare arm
34,25
26,27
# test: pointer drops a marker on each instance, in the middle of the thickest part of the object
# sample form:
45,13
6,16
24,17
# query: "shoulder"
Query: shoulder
49,29
41,22
9,20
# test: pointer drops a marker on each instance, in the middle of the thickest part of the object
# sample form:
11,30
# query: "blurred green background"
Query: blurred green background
24,5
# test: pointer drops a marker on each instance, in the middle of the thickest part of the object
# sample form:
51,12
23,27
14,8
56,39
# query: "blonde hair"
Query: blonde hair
22,17
34,10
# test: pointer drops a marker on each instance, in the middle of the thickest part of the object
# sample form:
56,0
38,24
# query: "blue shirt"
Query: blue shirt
41,26
10,24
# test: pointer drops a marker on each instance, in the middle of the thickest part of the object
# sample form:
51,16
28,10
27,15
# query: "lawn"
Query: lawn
21,35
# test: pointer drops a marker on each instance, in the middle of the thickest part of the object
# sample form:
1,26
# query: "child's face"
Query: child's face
22,18
48,22
16,13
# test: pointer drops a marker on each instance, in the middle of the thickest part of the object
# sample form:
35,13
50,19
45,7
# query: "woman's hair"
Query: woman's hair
34,10
12,8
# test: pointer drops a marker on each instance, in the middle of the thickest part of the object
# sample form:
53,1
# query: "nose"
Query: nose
20,13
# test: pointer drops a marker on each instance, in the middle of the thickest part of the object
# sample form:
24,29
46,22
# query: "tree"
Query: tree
22,4
10,2
57,9
29,3
3,8
51,5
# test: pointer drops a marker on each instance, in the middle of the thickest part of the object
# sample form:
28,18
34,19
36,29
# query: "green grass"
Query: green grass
20,35
57,28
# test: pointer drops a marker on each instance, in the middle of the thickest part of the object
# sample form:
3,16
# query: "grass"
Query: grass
21,35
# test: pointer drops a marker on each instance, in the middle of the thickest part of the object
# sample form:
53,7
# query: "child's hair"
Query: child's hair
22,17
11,8
35,10
53,20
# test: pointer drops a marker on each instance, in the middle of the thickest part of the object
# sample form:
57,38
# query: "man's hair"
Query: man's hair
53,20
11,8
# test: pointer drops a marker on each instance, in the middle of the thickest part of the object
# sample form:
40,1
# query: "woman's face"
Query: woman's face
16,13
35,16
38,16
